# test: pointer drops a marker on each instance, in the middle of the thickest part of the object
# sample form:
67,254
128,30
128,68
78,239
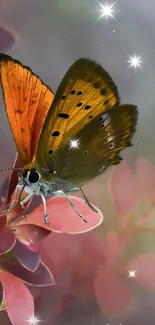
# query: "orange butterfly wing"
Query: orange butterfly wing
27,101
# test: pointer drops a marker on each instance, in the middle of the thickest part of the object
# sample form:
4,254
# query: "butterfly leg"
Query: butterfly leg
87,201
45,209
60,192
25,200
44,204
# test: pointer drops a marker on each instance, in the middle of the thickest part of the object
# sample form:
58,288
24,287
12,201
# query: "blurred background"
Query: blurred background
49,36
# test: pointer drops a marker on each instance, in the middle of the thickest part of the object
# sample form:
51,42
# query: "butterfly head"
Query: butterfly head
31,176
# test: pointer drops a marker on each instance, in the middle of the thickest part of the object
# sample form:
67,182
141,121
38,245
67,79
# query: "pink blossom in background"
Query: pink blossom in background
128,189
87,268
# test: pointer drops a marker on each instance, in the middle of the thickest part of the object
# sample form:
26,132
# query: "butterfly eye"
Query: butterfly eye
31,176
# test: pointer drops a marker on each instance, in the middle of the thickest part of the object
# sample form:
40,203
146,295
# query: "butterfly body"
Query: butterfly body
34,184
65,140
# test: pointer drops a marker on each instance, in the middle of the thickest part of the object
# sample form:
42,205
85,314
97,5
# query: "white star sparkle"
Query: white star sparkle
33,320
106,10
135,61
74,144
132,274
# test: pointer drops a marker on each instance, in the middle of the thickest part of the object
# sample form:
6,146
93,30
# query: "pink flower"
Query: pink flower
20,260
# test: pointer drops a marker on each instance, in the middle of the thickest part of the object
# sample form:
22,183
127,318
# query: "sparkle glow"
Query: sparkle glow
132,274
74,144
106,10
33,320
135,61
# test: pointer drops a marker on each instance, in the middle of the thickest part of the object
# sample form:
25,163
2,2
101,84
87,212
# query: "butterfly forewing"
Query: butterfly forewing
27,101
85,91
85,108
100,143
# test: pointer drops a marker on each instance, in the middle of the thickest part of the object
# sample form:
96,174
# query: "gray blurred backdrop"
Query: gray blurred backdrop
49,36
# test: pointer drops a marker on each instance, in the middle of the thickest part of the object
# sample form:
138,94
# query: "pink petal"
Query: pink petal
146,177
145,270
26,257
62,217
124,189
58,304
112,247
90,255
33,234
7,240
59,258
2,221
20,306
112,295
40,277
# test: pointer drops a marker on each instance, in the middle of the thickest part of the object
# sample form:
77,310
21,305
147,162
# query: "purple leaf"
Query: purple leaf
28,258
40,277
7,240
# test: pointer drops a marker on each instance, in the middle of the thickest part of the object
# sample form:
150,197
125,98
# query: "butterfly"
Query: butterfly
65,140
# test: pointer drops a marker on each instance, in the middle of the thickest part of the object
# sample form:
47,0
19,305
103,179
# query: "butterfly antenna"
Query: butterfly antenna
11,168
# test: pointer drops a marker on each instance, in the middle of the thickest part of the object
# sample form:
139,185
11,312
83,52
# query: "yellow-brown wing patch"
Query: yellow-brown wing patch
27,101
85,91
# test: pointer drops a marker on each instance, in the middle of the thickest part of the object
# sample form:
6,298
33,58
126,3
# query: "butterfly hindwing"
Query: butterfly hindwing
85,91
100,143
27,101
